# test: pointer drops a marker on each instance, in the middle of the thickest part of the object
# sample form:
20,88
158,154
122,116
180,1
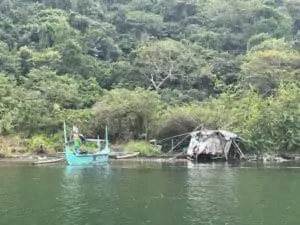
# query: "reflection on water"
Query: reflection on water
149,193
81,186
100,169
211,194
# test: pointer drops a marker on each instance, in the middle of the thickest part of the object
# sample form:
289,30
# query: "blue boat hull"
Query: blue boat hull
90,158
100,157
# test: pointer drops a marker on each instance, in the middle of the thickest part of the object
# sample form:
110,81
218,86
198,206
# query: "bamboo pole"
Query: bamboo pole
188,134
239,150
179,135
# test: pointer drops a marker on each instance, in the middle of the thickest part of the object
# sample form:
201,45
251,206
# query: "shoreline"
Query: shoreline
34,158
265,159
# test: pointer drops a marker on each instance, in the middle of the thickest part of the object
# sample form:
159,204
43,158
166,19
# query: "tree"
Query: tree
6,101
159,61
280,121
20,109
293,7
167,62
266,69
128,112
8,60
64,91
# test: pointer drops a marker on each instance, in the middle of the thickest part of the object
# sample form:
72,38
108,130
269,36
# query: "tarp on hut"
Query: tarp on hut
211,142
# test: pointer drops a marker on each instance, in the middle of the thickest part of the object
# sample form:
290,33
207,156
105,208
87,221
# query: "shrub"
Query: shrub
37,141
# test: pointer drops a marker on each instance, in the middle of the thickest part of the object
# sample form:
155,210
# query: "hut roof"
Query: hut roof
226,134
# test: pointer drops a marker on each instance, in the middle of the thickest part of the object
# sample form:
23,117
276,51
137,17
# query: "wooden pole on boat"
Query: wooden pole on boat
106,137
65,132
98,144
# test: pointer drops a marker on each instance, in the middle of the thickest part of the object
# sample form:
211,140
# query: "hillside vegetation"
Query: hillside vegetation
151,67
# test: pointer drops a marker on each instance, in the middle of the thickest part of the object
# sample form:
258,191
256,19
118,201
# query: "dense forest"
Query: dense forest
152,68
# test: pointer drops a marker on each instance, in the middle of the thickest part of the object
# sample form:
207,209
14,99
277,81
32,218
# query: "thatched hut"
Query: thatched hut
214,145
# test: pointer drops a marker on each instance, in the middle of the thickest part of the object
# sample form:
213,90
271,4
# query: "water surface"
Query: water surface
149,193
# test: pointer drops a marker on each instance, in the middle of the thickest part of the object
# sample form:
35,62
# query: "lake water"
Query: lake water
149,193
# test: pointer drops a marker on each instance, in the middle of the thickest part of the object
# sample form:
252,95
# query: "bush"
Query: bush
178,123
56,142
130,116
145,148
38,142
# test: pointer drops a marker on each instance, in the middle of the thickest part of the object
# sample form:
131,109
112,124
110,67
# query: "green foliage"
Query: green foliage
279,124
151,68
38,142
145,148
128,112
168,63
272,44
265,124
266,69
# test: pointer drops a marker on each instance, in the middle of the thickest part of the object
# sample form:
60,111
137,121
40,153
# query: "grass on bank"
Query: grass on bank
10,145
144,147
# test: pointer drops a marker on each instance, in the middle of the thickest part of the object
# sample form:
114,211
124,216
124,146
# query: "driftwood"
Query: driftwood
123,155
48,161
126,156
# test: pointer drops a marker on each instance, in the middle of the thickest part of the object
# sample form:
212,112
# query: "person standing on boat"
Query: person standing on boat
76,139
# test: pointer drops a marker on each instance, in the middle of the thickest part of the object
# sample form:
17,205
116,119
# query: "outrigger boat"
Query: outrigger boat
73,158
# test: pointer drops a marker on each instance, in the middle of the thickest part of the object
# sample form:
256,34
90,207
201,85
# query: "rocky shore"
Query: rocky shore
267,157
